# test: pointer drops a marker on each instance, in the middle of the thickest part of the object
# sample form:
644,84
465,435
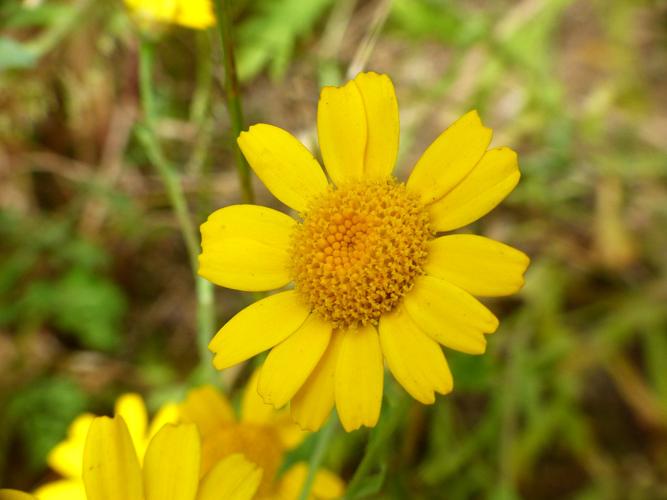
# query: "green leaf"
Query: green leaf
41,413
82,304
14,55
46,14
442,21
91,308
269,37
372,484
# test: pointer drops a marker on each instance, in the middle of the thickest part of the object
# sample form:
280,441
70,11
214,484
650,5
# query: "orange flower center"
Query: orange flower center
358,251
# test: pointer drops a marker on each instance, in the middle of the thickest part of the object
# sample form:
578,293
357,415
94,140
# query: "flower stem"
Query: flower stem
205,327
377,442
232,93
321,445
167,173
172,184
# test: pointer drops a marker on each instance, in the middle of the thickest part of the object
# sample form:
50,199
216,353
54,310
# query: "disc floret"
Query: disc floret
359,249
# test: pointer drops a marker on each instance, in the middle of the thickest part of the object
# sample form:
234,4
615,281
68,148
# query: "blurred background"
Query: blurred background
97,297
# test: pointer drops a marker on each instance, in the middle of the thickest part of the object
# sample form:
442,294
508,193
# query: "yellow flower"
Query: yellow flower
66,457
170,471
15,495
197,14
261,434
372,277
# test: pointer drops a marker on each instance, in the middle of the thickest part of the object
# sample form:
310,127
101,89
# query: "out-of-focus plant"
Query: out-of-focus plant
38,416
571,398
52,278
269,36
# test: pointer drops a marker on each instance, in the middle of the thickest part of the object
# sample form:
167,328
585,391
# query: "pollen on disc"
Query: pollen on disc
358,251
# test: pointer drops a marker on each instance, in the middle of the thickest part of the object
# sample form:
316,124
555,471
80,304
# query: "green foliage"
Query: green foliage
445,22
14,55
79,303
270,34
41,414
53,278
13,14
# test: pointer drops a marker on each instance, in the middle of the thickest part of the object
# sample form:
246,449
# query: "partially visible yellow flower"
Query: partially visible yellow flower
261,434
196,14
373,278
66,457
171,467
15,495
327,485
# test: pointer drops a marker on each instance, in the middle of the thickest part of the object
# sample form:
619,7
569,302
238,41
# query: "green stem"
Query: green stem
231,83
146,57
205,327
377,442
167,173
172,184
201,99
321,445
198,167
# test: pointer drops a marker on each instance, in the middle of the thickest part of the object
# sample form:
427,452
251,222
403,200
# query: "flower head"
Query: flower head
372,277
261,434
171,467
67,456
196,14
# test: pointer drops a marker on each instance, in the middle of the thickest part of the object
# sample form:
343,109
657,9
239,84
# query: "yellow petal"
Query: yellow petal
171,466
66,457
167,414
291,362
133,410
327,485
65,489
450,158
233,478
479,265
379,98
341,130
206,407
494,177
291,435
257,328
313,403
246,247
414,358
359,374
15,495
195,14
110,466
255,411
283,164
449,315
253,408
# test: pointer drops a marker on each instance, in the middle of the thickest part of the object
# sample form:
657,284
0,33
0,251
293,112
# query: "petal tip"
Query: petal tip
243,137
475,120
350,426
474,114
372,74
448,388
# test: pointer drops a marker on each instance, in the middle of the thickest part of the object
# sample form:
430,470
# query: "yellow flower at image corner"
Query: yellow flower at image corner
67,456
196,14
170,470
372,277
15,495
261,434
